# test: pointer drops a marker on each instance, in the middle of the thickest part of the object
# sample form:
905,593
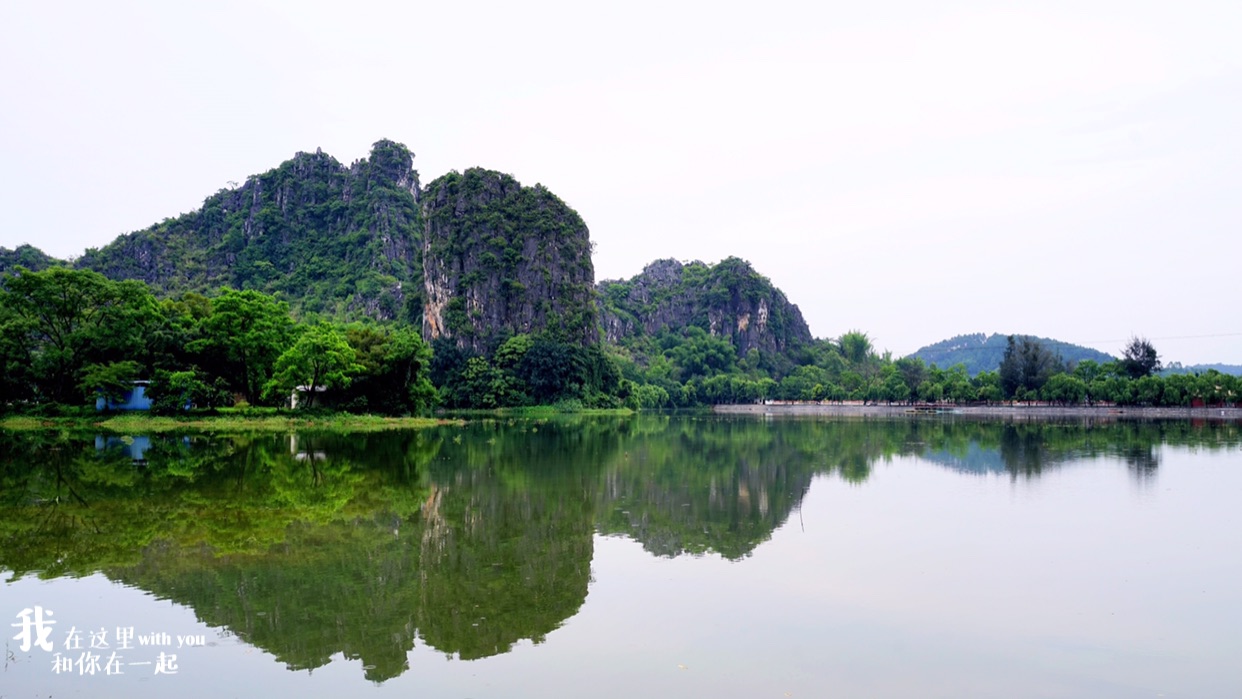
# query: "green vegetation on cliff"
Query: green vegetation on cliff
480,286
502,259
345,241
26,256
727,300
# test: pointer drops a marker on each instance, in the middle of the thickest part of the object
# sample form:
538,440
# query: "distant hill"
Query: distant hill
980,352
1179,368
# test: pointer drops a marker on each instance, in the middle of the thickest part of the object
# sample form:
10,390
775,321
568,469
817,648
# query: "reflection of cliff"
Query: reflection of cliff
467,539
339,575
342,587
326,544
713,486
496,570
507,538
470,566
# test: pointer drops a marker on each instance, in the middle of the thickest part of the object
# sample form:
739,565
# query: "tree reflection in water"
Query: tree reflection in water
466,539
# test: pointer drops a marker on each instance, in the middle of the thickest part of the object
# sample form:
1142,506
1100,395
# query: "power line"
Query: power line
1170,337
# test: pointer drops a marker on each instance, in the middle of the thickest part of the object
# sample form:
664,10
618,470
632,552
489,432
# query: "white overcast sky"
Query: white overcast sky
916,170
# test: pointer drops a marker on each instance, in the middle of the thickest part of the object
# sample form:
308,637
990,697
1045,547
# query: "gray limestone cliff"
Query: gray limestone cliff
502,259
473,257
729,299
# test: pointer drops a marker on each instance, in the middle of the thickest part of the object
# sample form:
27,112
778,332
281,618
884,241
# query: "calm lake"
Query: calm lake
645,556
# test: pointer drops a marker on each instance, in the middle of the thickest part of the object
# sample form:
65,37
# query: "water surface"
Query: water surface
645,556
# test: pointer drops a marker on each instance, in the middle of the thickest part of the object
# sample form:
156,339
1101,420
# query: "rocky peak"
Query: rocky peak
391,164
729,299
332,239
501,259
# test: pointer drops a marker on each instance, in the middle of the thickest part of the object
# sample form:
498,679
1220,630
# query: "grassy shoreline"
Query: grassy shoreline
272,420
131,423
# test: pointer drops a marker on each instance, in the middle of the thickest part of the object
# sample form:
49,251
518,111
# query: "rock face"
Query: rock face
729,299
329,238
474,257
501,259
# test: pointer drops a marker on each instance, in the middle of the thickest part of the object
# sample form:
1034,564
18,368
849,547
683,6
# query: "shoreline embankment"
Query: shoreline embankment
1017,411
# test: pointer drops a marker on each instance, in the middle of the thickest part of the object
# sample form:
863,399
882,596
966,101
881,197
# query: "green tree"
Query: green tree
479,385
395,375
60,320
647,397
511,351
855,347
171,391
957,385
16,382
1065,389
243,337
1087,370
552,370
987,385
1139,358
181,324
894,388
913,372
320,359
699,354
1148,390
113,380
1027,365
1177,389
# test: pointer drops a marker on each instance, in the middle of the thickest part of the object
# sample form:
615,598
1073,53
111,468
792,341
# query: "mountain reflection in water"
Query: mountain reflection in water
465,539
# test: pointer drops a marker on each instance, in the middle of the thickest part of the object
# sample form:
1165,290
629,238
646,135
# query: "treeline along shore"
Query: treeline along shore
70,339
1024,411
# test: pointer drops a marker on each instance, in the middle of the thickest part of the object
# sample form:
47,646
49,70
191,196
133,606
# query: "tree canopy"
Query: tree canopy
1139,358
59,321
245,334
320,359
1027,366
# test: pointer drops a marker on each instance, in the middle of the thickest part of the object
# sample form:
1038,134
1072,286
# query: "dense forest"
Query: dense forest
69,336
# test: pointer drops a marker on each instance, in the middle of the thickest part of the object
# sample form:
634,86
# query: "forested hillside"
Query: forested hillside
1178,368
345,241
27,256
474,292
981,352
727,300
